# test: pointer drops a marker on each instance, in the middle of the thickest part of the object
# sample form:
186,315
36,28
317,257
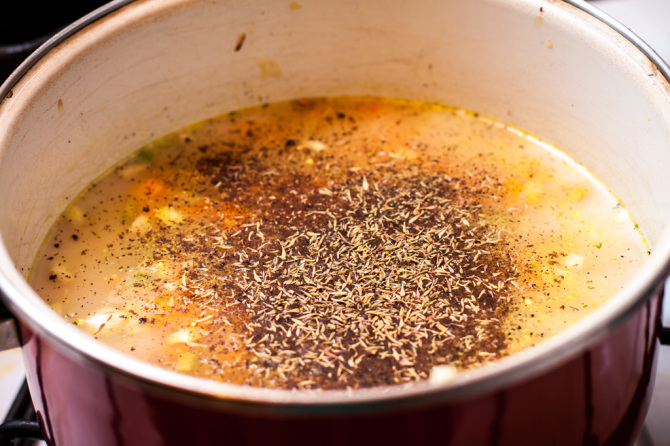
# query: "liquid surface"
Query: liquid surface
337,243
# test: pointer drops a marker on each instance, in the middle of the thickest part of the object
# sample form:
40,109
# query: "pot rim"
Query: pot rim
35,313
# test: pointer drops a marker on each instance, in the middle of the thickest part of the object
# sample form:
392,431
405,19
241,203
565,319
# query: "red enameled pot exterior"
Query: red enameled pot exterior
599,397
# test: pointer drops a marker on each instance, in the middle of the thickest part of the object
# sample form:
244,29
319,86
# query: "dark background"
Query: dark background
26,24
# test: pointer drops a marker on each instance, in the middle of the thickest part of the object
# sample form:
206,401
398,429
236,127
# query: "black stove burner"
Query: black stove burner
20,426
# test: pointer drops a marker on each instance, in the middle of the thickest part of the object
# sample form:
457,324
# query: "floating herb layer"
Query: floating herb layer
371,281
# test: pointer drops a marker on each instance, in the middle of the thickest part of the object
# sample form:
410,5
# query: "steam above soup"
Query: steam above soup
337,243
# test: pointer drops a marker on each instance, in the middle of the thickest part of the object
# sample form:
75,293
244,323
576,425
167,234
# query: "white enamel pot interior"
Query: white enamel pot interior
141,69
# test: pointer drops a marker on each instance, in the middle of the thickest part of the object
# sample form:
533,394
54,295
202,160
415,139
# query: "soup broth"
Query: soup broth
337,243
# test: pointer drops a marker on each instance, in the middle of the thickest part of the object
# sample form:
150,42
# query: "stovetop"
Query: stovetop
649,20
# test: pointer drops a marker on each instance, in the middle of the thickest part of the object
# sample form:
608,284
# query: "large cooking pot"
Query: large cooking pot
136,70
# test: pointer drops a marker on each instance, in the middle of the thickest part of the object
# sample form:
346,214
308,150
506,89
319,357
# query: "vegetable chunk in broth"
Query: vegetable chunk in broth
337,243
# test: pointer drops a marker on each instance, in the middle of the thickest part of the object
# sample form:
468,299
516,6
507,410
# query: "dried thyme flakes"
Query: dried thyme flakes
372,280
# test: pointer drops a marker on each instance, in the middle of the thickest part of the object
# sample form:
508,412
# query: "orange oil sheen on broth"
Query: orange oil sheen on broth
337,243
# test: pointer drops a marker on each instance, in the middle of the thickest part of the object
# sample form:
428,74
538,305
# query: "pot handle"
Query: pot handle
9,335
